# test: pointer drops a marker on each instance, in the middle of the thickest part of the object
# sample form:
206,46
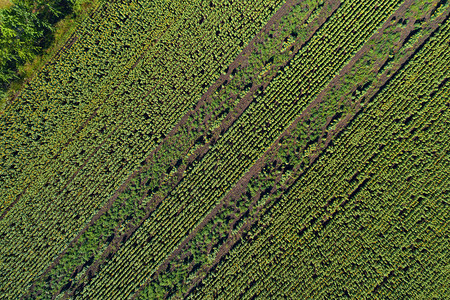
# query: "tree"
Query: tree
25,27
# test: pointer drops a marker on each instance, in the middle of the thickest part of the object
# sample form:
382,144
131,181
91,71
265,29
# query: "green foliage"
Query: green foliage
216,204
20,30
26,29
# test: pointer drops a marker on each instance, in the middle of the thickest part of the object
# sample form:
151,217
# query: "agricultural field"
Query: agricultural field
233,149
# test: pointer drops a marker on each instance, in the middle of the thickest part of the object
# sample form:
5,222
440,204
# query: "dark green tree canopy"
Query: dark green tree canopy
25,29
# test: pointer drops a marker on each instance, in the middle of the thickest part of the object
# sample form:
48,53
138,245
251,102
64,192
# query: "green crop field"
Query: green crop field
233,149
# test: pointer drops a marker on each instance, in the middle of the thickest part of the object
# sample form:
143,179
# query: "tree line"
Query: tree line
26,30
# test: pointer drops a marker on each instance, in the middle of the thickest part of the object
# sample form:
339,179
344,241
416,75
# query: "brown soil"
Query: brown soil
109,203
240,187
242,58
233,239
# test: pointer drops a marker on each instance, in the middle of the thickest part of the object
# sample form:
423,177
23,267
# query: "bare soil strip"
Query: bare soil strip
212,137
252,220
202,102
296,46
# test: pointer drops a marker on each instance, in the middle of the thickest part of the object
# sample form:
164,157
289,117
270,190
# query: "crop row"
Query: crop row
220,233
356,282
37,202
107,119
204,187
101,188
364,170
55,101
44,114
165,156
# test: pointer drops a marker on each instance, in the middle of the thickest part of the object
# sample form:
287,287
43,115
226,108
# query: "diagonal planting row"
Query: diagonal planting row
45,111
360,175
326,265
29,220
10,230
102,129
332,217
54,104
65,222
164,155
138,147
242,205
207,183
